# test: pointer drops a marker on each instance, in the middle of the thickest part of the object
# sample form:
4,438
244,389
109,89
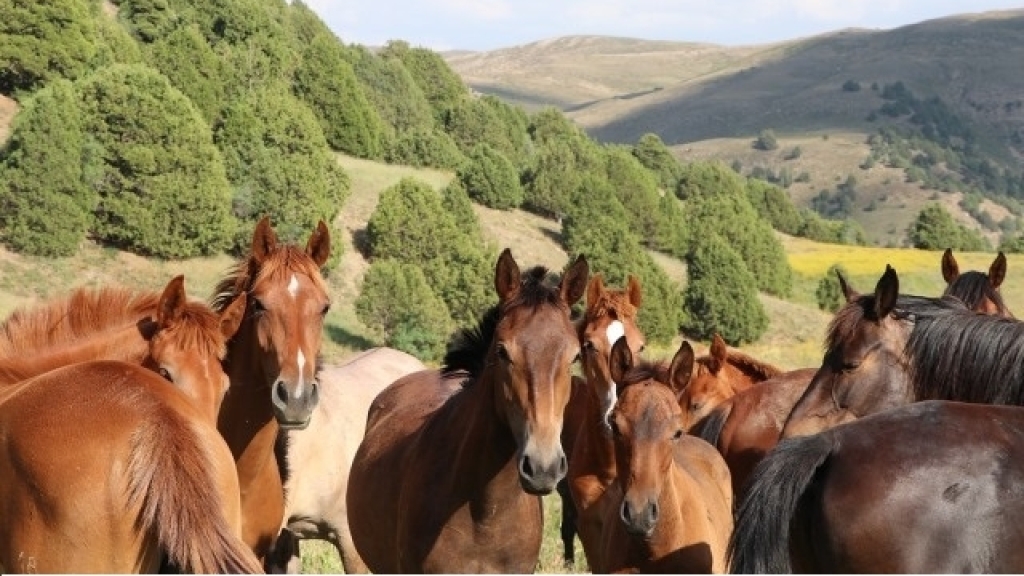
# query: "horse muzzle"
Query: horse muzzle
293,406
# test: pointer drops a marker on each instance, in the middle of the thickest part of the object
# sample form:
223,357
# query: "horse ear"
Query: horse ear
717,354
231,317
681,369
172,302
264,240
633,289
574,281
594,290
950,269
886,292
997,271
620,360
848,292
319,245
506,276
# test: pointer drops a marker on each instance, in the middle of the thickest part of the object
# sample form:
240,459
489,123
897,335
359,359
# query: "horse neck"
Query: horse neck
484,467
126,344
597,448
246,419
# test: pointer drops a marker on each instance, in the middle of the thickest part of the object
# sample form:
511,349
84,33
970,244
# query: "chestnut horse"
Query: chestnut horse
884,350
449,473
928,488
673,511
980,291
317,470
719,375
272,362
106,467
608,316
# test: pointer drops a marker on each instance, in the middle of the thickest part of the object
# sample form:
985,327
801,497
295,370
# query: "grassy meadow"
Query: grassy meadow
793,339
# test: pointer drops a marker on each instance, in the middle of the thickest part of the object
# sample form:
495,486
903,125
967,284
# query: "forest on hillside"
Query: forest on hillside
169,127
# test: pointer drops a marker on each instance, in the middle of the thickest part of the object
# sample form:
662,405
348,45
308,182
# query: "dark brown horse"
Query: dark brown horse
609,315
107,466
719,375
448,474
978,290
932,487
884,350
672,493
272,361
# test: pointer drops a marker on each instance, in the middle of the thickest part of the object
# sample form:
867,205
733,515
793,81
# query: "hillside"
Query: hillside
708,101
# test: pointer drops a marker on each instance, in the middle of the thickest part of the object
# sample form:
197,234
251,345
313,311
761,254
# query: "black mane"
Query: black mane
973,288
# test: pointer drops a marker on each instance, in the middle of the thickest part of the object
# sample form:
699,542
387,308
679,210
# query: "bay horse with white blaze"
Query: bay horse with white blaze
449,473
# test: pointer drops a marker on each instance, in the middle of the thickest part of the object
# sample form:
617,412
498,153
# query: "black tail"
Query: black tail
709,429
760,541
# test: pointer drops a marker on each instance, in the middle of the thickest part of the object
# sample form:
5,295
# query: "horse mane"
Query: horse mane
67,320
284,259
468,348
745,363
973,288
200,330
957,354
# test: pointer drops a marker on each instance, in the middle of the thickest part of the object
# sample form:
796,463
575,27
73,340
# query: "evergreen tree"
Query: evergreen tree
42,40
392,92
184,56
279,163
161,183
490,179
45,208
325,81
721,294
934,229
637,190
396,302
442,86
656,157
829,293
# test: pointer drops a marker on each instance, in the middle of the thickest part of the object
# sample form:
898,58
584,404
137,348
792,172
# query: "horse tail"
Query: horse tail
709,429
171,480
760,541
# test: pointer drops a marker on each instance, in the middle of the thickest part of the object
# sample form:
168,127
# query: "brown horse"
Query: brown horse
719,375
448,474
928,488
272,362
978,290
884,350
106,467
673,493
319,458
609,316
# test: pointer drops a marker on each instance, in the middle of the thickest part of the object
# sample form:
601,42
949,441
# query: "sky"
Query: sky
491,24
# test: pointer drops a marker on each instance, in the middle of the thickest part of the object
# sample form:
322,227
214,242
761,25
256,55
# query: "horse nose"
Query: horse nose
294,408
639,521
538,476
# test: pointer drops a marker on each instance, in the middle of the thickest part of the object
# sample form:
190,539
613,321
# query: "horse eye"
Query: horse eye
678,434
642,348
503,353
588,346
850,366
327,308
257,307
614,427
165,374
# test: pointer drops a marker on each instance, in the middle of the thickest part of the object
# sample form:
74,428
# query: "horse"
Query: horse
673,492
450,470
272,362
748,425
608,315
719,375
146,477
884,350
931,487
319,457
978,290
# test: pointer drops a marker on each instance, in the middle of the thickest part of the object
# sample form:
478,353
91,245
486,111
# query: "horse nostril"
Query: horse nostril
654,512
624,513
526,468
281,392
563,466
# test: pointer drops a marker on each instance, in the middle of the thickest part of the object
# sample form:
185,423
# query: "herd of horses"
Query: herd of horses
143,431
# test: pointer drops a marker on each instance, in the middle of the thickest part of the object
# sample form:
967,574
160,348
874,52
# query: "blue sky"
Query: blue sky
492,24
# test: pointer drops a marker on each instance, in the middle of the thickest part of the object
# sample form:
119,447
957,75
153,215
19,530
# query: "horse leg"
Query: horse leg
568,528
342,540
283,557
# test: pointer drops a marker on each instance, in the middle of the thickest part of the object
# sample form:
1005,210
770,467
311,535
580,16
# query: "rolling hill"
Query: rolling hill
709,101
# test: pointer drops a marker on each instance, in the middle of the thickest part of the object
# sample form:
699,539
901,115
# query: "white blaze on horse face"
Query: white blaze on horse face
614,331
301,361
293,286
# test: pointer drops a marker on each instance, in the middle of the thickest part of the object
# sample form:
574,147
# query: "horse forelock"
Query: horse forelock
199,330
85,312
278,266
645,370
957,354
973,288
